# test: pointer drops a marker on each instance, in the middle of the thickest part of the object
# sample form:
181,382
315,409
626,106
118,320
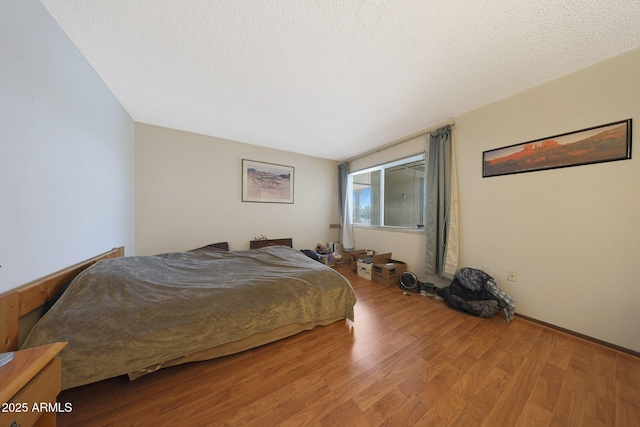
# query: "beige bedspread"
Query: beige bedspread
130,313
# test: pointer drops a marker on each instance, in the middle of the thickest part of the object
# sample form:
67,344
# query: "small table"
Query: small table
32,378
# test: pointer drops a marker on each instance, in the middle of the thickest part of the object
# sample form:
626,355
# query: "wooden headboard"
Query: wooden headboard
20,301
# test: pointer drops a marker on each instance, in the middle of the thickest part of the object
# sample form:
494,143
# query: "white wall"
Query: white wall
572,234
66,152
188,194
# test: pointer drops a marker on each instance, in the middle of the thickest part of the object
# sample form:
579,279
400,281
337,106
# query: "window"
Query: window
390,195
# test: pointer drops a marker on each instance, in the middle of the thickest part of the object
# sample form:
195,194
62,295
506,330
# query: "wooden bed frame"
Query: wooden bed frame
20,301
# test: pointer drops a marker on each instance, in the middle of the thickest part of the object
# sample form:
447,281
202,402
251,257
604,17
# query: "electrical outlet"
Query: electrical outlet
512,276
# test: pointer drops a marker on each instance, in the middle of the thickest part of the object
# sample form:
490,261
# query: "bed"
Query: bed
135,315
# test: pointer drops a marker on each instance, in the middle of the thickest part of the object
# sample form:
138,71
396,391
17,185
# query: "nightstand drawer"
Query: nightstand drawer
43,388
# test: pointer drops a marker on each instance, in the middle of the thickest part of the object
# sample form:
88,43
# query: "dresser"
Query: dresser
257,244
29,386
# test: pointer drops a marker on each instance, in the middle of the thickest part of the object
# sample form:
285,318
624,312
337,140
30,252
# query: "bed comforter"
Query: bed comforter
126,314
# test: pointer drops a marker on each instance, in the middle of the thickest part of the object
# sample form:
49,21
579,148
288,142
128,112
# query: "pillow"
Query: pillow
220,246
47,305
311,254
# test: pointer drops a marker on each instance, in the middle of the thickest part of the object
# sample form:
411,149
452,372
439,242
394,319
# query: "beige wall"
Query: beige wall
66,152
188,194
572,234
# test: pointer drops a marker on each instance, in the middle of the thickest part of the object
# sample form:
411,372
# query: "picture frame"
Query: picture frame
603,143
267,182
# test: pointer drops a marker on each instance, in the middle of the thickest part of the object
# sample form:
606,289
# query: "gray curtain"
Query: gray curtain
441,205
346,230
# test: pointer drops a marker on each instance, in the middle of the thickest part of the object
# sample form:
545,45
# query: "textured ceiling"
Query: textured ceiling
334,78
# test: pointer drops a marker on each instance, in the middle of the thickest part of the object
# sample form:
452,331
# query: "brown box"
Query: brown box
355,255
388,273
346,256
365,270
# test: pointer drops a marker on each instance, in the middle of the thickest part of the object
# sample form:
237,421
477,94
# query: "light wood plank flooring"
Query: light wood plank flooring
406,360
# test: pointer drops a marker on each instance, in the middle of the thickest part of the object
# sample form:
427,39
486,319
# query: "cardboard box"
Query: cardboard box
355,255
388,273
346,256
365,270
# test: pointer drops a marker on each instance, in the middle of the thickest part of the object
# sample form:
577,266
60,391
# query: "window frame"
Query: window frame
381,167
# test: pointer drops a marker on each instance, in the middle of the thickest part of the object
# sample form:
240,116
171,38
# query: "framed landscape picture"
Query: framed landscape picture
266,182
604,143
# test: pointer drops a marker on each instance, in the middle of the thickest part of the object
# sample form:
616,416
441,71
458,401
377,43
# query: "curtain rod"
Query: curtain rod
401,140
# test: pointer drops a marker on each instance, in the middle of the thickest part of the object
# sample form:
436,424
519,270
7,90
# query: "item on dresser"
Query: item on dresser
6,358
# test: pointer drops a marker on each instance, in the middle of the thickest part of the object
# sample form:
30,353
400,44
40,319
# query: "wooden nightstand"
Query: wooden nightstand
33,377
257,244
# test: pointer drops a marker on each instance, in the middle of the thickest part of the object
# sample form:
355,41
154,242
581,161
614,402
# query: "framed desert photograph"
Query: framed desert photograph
266,182
604,143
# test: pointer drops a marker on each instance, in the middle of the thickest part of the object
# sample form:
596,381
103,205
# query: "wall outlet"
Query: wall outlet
512,276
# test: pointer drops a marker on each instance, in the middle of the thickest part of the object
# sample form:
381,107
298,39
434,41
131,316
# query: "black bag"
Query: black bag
478,303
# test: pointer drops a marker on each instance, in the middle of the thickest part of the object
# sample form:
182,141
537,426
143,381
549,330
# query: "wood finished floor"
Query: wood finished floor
404,361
